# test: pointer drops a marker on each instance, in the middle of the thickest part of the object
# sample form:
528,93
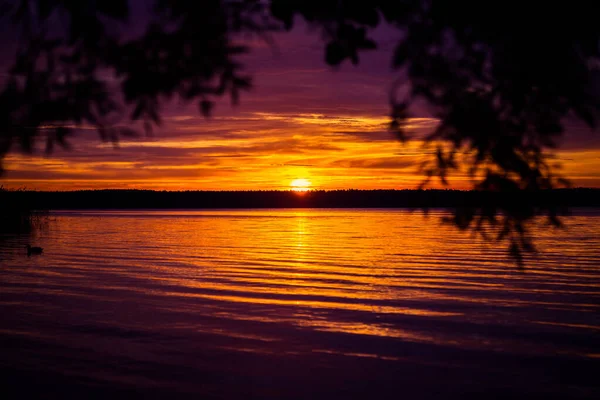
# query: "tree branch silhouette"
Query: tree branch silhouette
502,77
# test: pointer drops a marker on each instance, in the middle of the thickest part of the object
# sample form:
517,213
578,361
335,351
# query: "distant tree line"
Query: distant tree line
431,198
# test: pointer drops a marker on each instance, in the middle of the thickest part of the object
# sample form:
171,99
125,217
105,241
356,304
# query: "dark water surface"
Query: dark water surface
296,304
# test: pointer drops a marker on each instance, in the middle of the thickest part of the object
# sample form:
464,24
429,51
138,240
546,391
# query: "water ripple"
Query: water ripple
225,303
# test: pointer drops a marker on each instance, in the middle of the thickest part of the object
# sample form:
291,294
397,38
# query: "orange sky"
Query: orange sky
302,120
255,151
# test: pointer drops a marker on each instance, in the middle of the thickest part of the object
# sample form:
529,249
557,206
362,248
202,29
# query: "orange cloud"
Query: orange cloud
254,151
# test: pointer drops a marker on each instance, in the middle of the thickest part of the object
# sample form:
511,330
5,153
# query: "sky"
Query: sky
303,120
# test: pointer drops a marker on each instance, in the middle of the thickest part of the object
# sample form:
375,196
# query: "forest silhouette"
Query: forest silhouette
133,199
502,78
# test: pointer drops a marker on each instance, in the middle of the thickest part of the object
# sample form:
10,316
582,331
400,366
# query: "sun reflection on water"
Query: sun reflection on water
352,283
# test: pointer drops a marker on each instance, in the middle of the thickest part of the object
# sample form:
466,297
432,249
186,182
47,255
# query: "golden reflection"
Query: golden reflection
301,229
391,273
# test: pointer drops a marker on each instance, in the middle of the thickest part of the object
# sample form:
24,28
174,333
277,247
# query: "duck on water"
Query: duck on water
34,250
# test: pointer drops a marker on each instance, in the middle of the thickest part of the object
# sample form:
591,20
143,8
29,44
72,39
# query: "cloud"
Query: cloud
301,120
379,163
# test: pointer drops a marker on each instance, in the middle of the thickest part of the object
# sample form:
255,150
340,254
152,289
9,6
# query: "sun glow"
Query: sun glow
300,185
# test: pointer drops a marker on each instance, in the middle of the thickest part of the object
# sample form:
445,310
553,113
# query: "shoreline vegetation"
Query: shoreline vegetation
20,212
26,207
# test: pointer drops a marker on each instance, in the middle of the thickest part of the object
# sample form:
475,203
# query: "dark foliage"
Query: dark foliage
501,76
76,65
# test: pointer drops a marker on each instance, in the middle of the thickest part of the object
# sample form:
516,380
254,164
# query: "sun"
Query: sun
300,185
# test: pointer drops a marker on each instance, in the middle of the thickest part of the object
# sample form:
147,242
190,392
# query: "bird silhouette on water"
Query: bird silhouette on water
34,250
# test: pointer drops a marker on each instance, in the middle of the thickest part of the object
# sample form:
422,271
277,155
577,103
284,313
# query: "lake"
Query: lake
296,304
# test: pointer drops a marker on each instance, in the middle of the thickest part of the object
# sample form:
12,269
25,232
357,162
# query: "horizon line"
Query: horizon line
296,192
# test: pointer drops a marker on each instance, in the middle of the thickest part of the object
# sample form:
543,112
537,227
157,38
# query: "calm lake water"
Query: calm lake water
296,304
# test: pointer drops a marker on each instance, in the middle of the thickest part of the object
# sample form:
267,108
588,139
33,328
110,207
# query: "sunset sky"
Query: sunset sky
302,120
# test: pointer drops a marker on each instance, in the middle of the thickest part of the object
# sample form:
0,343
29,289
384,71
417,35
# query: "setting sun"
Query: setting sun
300,185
